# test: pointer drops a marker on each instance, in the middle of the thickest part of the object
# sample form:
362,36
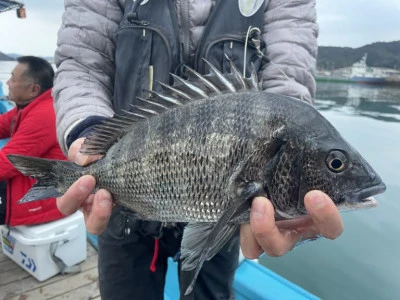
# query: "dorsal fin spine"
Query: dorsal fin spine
166,98
238,76
223,80
190,86
204,80
172,89
110,130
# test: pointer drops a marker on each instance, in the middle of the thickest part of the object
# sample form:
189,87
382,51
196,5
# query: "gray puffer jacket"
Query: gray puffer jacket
85,54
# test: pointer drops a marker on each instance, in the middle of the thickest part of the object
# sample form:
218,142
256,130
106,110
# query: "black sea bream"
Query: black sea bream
202,149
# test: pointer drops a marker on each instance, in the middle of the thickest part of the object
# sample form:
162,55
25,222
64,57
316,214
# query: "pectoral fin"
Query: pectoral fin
201,241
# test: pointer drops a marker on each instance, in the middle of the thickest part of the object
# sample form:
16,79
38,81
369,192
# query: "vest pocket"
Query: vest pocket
143,55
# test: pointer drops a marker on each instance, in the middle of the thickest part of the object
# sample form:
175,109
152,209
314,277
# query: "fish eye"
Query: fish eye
337,161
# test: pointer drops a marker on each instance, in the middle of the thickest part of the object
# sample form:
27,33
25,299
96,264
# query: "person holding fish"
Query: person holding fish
113,53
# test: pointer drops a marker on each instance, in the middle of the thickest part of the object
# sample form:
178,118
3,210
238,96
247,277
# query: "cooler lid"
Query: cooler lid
50,228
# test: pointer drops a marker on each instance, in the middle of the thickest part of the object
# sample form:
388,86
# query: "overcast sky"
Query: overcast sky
350,23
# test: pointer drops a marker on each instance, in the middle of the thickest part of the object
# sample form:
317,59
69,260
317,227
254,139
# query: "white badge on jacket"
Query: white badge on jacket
249,7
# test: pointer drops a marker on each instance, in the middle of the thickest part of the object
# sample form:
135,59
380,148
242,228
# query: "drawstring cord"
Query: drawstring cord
153,267
254,34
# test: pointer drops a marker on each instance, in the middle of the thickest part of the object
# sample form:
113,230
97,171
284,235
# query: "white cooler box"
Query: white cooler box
47,249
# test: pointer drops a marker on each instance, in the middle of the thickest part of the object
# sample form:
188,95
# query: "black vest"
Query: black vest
148,46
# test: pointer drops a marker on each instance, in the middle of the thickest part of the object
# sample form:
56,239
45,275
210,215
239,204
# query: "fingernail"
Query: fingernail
258,208
317,201
81,159
105,202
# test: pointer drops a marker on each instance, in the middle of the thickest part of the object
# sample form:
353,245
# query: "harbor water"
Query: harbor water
364,263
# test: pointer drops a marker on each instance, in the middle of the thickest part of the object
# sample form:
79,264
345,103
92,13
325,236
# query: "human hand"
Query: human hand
263,234
96,207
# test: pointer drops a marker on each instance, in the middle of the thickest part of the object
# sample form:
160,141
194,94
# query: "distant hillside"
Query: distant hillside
14,55
384,55
4,57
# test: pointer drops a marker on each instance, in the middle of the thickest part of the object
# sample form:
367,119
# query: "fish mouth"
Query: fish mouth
361,199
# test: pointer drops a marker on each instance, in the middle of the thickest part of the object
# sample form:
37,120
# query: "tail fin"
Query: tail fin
46,171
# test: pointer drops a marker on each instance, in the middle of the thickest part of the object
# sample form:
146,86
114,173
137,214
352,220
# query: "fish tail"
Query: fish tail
49,174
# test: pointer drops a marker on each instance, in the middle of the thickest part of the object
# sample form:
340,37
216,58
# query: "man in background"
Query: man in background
30,125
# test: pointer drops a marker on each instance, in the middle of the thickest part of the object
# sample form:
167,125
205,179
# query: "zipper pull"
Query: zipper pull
132,16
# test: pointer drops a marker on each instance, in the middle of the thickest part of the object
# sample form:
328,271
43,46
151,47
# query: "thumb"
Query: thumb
78,157
75,196
324,214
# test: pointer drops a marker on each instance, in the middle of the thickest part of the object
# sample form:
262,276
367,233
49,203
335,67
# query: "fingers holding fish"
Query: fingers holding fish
77,157
325,215
73,151
323,218
95,207
76,195
262,235
97,211
250,247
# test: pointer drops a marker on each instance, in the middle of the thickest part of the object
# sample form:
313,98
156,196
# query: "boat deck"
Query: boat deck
16,283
